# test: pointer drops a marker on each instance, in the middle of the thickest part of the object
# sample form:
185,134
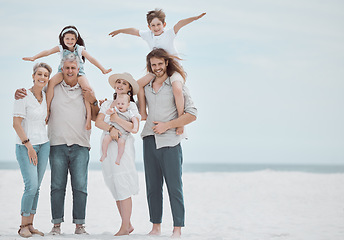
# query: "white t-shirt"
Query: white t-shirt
33,114
164,40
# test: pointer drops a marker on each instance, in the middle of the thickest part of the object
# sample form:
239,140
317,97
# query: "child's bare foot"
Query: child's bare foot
143,116
103,157
179,130
88,125
117,162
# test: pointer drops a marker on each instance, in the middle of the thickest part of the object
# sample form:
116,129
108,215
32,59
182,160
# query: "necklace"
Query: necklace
38,99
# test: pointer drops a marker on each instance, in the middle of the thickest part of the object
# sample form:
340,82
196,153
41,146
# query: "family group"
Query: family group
67,104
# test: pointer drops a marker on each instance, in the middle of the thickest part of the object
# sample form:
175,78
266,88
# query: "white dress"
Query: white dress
122,180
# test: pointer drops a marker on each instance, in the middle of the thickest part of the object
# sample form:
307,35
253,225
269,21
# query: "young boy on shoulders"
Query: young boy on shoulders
159,37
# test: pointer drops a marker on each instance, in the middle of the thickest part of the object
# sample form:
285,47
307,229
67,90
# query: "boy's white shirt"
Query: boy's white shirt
164,40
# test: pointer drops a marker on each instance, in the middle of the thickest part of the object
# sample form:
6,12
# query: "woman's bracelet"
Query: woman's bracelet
26,141
111,128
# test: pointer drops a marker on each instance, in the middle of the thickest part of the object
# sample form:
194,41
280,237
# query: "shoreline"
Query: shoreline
219,205
221,167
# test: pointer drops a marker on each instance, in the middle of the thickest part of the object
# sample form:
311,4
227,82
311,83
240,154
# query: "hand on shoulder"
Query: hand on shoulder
20,94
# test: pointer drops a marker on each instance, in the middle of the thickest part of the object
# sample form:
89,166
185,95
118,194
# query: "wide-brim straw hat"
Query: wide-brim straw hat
127,77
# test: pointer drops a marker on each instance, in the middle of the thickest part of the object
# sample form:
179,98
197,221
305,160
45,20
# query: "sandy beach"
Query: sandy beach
248,205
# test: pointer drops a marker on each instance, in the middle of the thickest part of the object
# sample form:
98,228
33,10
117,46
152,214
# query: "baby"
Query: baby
121,104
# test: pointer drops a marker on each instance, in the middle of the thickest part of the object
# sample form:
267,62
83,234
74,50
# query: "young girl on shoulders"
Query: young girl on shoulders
70,42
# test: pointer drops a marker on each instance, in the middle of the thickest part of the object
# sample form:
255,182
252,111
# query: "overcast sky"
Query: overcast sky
266,76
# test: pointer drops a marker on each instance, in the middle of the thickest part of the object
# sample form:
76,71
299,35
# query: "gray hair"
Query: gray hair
41,65
70,58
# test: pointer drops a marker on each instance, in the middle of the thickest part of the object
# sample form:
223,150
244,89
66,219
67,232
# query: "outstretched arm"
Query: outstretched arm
130,31
42,54
95,62
185,22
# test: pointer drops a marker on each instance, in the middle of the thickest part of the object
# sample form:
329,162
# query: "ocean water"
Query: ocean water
224,167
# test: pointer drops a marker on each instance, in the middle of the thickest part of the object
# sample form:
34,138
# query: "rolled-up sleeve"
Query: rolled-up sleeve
189,106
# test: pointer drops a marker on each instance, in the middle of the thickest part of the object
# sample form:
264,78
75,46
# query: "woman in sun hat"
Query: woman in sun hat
122,180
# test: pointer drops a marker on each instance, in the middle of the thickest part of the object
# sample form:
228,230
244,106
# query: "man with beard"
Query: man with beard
161,144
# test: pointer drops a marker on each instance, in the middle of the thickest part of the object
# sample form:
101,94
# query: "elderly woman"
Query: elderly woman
122,180
32,148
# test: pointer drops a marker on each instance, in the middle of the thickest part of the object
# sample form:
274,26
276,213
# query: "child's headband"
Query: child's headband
70,29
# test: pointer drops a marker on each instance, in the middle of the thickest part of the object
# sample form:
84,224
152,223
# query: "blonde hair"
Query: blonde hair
41,65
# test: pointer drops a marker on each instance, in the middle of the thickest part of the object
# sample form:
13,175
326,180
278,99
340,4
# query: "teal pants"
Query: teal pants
163,164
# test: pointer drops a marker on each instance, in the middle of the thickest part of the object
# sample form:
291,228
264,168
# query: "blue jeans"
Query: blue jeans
163,163
74,159
32,175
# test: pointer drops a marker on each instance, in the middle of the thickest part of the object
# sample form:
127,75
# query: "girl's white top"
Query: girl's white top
33,114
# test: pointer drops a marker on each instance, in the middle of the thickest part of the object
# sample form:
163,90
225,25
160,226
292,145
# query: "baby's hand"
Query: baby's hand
102,101
28,59
106,71
110,111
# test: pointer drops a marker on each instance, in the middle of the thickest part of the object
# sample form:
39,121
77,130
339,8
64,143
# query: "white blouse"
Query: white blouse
33,114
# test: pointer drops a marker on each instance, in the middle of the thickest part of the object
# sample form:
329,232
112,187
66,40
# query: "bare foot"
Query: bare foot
156,230
122,232
103,157
117,162
154,233
143,116
88,126
131,229
177,232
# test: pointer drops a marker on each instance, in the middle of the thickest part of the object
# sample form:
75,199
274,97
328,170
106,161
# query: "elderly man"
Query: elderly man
162,151
70,144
